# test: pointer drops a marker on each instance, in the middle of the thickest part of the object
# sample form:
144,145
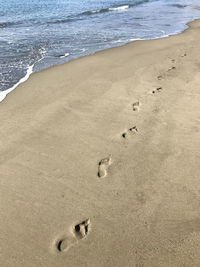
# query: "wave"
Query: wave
104,10
118,8
76,17
65,55
87,13
178,5
6,24
98,11
61,20
3,94
29,71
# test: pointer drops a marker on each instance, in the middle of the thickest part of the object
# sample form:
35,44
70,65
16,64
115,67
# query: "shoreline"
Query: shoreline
3,94
99,159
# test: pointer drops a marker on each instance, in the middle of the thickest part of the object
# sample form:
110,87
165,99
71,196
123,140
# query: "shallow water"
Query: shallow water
48,32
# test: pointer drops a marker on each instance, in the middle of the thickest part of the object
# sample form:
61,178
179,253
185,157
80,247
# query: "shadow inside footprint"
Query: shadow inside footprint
103,166
172,68
157,90
64,244
136,106
160,77
82,229
132,130
184,55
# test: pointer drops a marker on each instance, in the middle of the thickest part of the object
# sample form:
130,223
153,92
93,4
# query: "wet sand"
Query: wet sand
99,160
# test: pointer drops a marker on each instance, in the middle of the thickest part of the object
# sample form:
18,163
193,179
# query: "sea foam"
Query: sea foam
3,94
119,8
65,55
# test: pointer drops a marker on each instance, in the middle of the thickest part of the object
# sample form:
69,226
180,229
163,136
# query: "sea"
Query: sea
37,34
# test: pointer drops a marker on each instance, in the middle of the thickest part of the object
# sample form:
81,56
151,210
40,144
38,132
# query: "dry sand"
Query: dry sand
100,160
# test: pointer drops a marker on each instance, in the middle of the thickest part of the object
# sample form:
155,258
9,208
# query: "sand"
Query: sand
100,160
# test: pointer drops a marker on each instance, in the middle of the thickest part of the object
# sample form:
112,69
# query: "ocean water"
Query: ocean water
36,34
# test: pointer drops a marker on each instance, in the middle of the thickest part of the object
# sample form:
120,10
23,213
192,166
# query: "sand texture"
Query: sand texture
100,160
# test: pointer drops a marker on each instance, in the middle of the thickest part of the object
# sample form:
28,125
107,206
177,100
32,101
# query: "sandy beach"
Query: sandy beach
99,160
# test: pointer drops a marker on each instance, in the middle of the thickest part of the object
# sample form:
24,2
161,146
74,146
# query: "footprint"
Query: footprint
131,131
157,90
103,166
184,55
160,77
172,68
63,245
136,106
82,229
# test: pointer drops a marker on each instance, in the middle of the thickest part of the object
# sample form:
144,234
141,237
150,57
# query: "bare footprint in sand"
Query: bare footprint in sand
103,166
136,106
172,68
160,77
184,55
80,231
157,90
64,244
131,131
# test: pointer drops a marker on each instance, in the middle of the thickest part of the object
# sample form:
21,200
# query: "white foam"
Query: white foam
84,49
65,55
95,11
3,94
117,41
135,39
119,8
110,9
